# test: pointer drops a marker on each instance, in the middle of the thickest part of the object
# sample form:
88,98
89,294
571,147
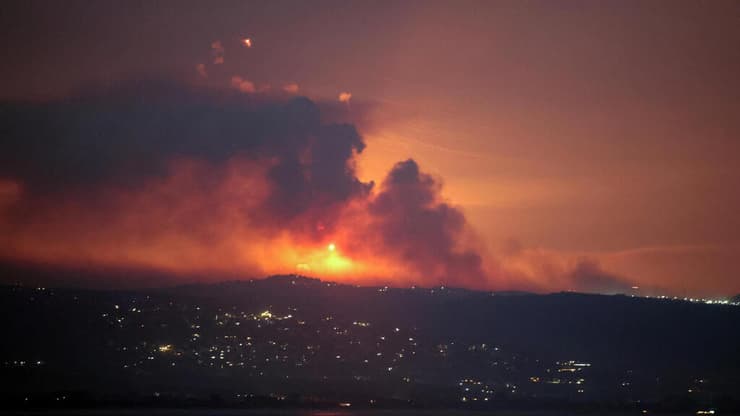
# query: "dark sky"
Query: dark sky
574,136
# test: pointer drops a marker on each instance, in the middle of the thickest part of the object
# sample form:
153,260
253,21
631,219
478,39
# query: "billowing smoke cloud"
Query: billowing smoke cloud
221,184
422,230
588,276
539,269
185,180
130,135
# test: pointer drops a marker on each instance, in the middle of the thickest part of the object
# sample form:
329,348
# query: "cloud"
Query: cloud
145,173
588,276
163,177
423,231
242,85
170,178
344,97
120,135
542,270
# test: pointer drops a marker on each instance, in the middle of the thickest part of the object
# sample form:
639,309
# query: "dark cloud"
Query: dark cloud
113,152
424,231
588,276
129,133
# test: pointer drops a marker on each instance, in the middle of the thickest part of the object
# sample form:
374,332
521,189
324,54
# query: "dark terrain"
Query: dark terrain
289,341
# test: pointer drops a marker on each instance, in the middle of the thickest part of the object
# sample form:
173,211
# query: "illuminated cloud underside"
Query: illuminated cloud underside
226,187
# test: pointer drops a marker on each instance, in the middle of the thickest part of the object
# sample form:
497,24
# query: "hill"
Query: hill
304,341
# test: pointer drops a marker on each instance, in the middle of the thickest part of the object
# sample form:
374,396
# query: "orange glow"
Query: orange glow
242,84
247,42
344,97
185,226
291,88
190,227
208,221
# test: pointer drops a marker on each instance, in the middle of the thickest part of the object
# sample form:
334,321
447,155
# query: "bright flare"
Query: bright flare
332,247
344,97
247,42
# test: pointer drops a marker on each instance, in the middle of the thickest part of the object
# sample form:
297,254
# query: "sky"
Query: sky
530,145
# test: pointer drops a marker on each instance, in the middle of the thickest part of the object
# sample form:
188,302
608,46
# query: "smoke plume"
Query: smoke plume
175,179
201,184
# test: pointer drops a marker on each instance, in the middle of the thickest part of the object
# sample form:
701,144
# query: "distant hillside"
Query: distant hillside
569,324
294,338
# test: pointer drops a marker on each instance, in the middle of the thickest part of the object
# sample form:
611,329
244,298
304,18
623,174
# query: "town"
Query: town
278,341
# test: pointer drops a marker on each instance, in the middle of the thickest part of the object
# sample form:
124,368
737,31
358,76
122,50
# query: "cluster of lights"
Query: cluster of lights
693,300
474,390
219,353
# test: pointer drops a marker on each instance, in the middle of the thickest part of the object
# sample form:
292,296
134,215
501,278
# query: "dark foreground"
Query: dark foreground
300,346
221,412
